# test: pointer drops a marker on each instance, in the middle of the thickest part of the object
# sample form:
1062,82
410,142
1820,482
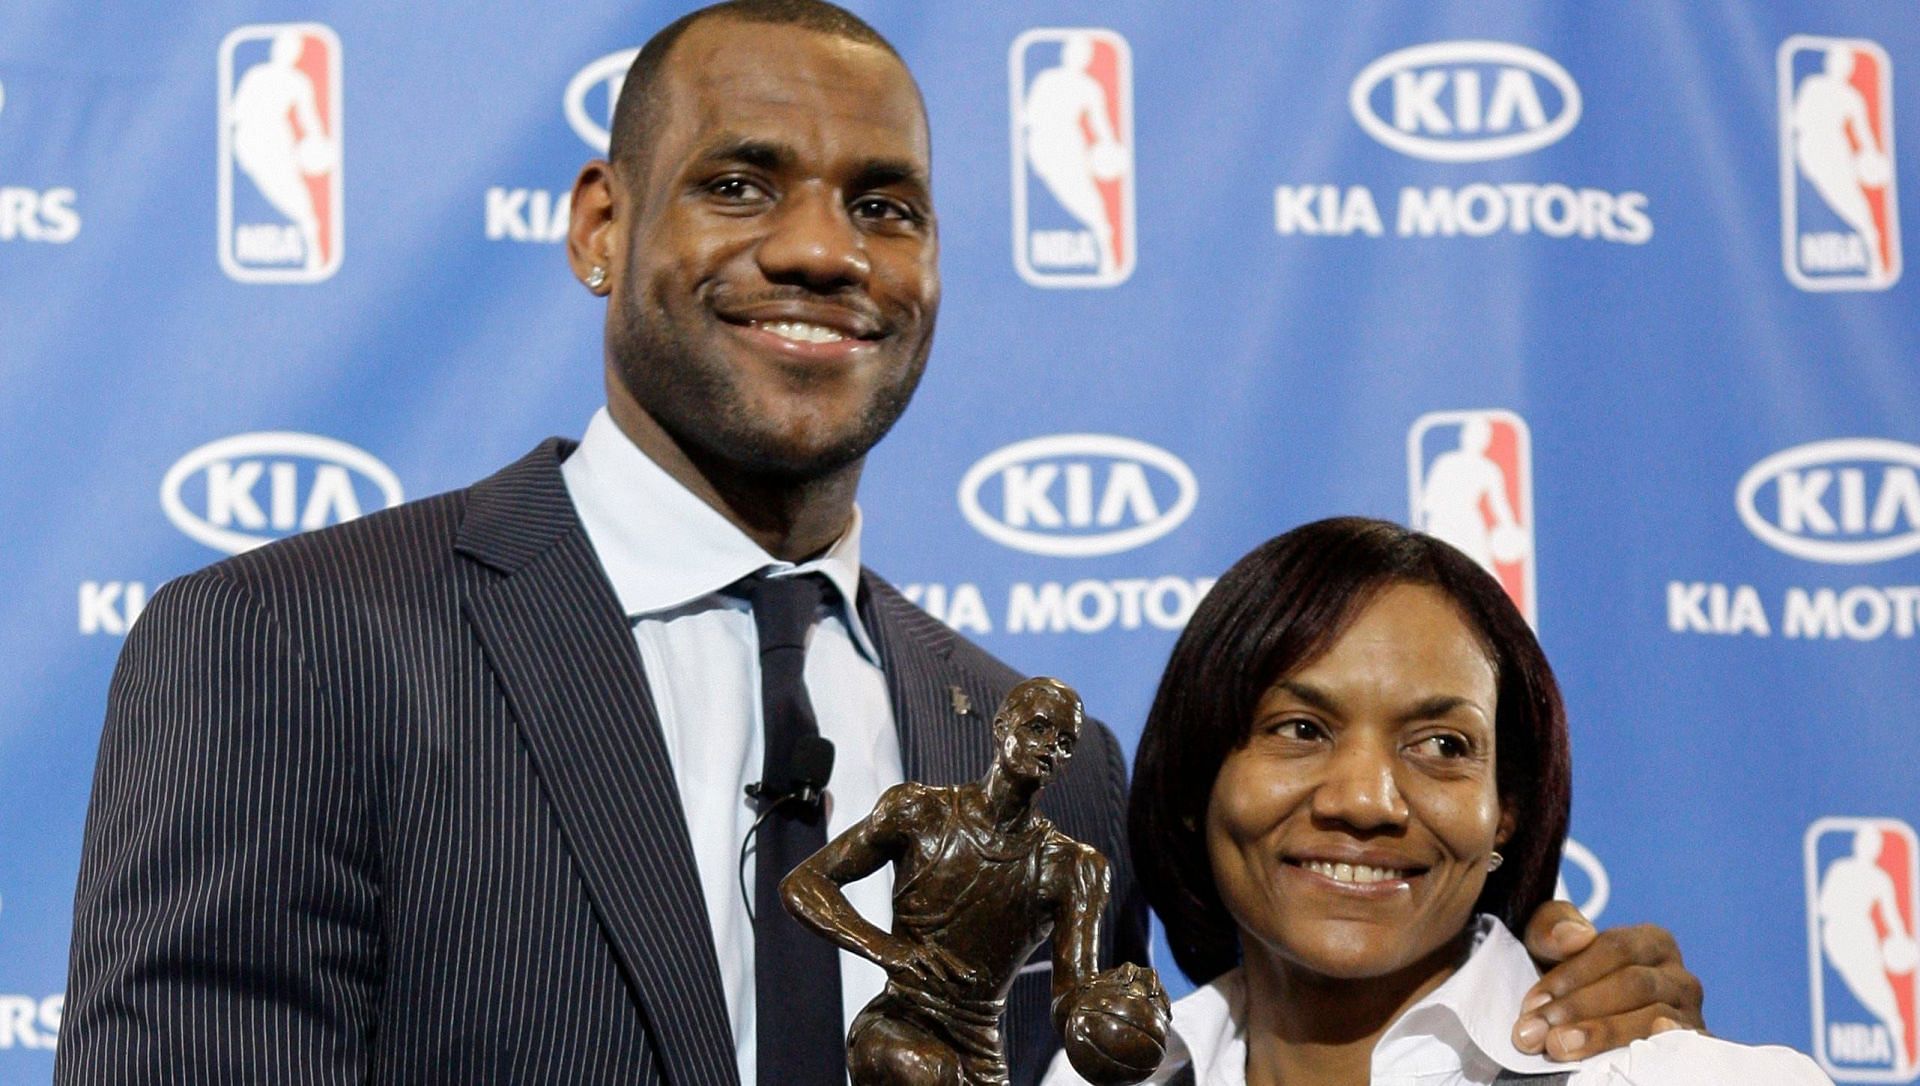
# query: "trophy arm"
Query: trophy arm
1076,926
811,892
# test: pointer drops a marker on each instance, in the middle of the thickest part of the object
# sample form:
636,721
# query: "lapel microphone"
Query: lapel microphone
806,782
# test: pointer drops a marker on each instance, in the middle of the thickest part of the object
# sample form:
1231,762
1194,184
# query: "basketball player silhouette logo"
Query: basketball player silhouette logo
1073,157
1860,917
1840,221
280,153
1470,484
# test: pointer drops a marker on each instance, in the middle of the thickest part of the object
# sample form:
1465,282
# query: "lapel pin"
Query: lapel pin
962,705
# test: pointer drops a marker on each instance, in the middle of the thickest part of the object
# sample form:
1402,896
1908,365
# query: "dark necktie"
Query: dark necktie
796,973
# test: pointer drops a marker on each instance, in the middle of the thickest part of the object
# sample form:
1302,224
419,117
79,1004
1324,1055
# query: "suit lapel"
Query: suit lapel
941,711
565,657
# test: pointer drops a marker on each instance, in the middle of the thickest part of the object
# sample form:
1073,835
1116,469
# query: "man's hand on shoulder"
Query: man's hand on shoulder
1602,989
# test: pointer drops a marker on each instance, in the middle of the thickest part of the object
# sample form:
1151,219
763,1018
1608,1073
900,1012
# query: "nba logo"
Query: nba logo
280,192
1470,483
1839,220
1861,886
1072,94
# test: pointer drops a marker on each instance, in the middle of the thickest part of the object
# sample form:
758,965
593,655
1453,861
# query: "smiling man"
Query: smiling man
457,792
765,235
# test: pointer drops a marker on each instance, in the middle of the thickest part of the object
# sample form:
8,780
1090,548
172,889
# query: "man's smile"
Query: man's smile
805,330
803,341
802,332
804,319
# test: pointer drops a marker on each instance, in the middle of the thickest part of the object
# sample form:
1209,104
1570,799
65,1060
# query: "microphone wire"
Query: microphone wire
812,765
746,894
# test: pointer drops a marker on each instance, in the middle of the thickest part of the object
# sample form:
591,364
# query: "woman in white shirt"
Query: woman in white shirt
1352,790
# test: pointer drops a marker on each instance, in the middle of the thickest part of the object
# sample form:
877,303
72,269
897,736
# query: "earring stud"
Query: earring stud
596,277
1494,860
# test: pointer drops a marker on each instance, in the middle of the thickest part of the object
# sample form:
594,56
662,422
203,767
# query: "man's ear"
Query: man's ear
596,235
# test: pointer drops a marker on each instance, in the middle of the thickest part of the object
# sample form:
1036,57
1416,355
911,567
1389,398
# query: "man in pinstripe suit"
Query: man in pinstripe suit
400,801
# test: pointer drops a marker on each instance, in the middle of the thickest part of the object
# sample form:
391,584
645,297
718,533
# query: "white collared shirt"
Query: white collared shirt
668,554
1461,1034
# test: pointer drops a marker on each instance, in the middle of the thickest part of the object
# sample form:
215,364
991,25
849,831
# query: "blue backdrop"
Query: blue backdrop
1609,295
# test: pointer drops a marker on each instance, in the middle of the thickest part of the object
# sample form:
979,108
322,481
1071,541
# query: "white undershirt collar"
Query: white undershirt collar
624,499
1480,1000
1471,1014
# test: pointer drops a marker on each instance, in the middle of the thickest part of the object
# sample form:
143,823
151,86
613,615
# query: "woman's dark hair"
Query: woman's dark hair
1278,609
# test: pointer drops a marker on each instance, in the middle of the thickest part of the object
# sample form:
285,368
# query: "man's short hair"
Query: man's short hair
636,115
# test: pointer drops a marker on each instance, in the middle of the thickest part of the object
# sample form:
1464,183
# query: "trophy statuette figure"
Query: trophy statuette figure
981,880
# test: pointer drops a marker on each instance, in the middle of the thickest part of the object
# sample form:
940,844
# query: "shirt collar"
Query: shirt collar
1467,1020
1472,1012
1210,1031
662,547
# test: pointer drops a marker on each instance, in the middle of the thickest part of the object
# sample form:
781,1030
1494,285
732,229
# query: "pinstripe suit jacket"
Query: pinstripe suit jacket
390,803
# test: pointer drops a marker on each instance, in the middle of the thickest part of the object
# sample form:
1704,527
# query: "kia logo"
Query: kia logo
1465,101
1589,888
1077,495
1848,501
610,72
242,491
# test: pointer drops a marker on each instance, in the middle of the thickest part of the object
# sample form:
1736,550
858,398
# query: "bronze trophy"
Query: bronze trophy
981,879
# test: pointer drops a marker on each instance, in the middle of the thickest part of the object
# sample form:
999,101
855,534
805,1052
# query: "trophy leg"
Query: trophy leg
889,1052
